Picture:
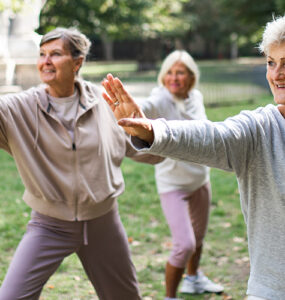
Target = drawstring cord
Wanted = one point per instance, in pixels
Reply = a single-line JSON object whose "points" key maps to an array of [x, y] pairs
{"points": [[37, 125], [85, 233]]}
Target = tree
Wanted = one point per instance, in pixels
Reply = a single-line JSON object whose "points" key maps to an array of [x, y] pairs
{"points": [[114, 19], [221, 23]]}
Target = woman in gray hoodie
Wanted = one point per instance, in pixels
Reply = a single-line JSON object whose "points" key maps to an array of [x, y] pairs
{"points": [[251, 144], [68, 150]]}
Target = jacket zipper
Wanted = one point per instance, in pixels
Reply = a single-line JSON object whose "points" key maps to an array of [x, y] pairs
{"points": [[75, 183]]}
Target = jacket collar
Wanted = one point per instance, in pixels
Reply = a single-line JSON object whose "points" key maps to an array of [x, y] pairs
{"points": [[89, 95]]}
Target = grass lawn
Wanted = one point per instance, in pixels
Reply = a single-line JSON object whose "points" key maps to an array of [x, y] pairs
{"points": [[225, 256]]}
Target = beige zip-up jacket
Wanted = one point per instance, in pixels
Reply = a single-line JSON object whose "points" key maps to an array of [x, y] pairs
{"points": [[63, 179]]}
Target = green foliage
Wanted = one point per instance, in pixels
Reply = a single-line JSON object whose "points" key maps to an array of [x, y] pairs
{"points": [[13, 5], [213, 22], [113, 18]]}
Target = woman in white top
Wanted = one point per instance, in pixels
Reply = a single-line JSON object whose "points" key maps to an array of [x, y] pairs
{"points": [[183, 187]]}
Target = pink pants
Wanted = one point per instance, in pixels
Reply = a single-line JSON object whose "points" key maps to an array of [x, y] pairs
{"points": [[187, 215], [101, 245]]}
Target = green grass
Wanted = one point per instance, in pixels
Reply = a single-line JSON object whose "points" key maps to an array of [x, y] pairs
{"points": [[225, 256], [221, 82]]}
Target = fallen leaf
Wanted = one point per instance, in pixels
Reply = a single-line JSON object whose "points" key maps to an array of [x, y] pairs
{"points": [[238, 239], [227, 297], [50, 286]]}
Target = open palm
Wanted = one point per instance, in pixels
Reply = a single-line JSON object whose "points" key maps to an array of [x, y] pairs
{"points": [[125, 109]]}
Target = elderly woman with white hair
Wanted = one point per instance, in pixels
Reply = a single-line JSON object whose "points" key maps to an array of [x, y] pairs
{"points": [[251, 144], [184, 188]]}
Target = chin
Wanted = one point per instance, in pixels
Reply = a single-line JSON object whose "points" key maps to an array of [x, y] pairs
{"points": [[279, 99]]}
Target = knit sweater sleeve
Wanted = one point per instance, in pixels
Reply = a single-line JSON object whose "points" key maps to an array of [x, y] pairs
{"points": [[227, 145]]}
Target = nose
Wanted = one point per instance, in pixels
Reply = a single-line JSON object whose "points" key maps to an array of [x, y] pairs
{"points": [[45, 59], [174, 76], [279, 72]]}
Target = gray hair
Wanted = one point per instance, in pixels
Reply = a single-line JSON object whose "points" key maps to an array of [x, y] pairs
{"points": [[274, 33], [75, 41], [179, 56]]}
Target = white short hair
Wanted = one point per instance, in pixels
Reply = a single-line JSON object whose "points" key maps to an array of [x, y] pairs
{"points": [[274, 33], [179, 56]]}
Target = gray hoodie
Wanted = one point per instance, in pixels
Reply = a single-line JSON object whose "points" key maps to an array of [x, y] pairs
{"points": [[251, 144], [66, 179]]}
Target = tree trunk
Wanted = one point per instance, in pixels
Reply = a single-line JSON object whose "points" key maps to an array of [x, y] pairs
{"points": [[108, 47]]}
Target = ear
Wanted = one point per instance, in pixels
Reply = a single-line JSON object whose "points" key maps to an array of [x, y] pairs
{"points": [[77, 64]]}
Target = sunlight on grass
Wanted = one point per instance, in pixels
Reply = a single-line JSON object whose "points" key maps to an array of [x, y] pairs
{"points": [[104, 68]]}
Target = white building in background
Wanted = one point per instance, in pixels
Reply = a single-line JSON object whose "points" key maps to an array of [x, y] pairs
{"points": [[19, 42]]}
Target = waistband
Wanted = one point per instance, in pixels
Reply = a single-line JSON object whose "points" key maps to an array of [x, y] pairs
{"points": [[73, 227]]}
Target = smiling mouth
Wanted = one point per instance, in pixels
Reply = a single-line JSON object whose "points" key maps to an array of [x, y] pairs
{"points": [[280, 85], [48, 71]]}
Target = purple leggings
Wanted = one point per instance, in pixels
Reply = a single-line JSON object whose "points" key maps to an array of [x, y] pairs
{"points": [[187, 215], [101, 245]]}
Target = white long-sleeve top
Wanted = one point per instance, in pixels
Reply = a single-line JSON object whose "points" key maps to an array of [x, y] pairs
{"points": [[173, 174]]}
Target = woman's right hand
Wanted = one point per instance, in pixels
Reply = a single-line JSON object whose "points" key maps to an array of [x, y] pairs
{"points": [[127, 112]]}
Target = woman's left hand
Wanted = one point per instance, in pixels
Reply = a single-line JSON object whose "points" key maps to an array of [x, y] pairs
{"points": [[121, 103], [127, 112]]}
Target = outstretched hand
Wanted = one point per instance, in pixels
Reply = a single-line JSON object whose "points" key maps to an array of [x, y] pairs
{"points": [[126, 111]]}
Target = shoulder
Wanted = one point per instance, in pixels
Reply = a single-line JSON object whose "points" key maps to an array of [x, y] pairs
{"points": [[259, 119], [159, 96], [267, 112], [23, 97], [196, 94], [160, 92], [90, 93], [88, 87]]}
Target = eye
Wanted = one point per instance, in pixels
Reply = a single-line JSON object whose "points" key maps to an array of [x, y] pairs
{"points": [[56, 54], [270, 63]]}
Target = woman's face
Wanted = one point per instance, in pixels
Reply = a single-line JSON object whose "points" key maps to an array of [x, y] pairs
{"points": [[276, 72], [178, 80], [57, 68]]}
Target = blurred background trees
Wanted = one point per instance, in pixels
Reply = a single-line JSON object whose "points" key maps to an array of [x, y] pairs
{"points": [[146, 30]]}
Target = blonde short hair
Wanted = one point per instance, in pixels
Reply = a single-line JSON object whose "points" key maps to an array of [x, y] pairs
{"points": [[274, 33], [179, 56]]}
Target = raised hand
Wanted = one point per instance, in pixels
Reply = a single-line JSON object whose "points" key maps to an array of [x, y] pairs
{"points": [[125, 109], [119, 99]]}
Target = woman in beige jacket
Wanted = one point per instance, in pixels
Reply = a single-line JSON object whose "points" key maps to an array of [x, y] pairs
{"points": [[68, 150]]}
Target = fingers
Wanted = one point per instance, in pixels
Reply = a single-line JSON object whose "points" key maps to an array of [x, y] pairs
{"points": [[117, 89], [135, 123], [108, 100], [141, 128], [109, 90]]}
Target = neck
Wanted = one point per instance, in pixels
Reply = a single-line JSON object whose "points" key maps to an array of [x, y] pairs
{"points": [[282, 110], [61, 92]]}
